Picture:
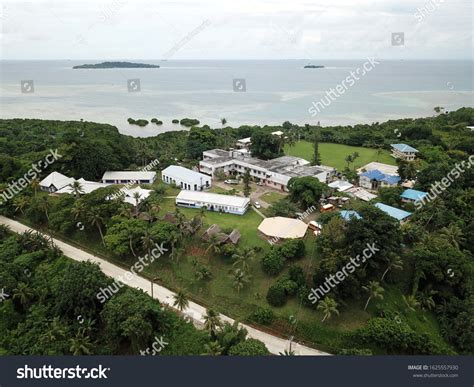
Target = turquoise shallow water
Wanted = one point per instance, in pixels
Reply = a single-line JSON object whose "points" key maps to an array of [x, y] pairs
{"points": [[276, 91]]}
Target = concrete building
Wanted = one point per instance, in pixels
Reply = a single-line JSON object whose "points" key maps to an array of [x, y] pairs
{"points": [[128, 177], [404, 152], [273, 173], [340, 185], [384, 168], [360, 193], [185, 178], [375, 179], [244, 143], [213, 202]]}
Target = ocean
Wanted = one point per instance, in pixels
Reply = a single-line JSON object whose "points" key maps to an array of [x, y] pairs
{"points": [[244, 92]]}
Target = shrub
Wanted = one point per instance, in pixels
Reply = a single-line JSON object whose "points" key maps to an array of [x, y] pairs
{"points": [[264, 316], [175, 121], [273, 262], [296, 274], [250, 347], [276, 295], [291, 287], [293, 249]]}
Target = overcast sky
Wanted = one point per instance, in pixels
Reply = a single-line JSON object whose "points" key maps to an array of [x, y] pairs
{"points": [[235, 29]]}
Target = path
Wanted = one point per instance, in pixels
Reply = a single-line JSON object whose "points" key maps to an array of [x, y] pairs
{"points": [[194, 311]]}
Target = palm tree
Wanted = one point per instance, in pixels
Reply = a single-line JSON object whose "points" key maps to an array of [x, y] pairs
{"points": [[453, 235], [20, 203], [125, 211], [212, 321], [329, 307], [375, 291], [212, 349], [76, 188], [81, 344], [95, 219], [137, 198], [393, 262], [214, 244], [426, 300], [35, 184], [181, 301], [44, 205], [147, 242], [23, 293], [243, 258], [287, 352], [240, 279], [131, 236], [79, 210], [411, 302]]}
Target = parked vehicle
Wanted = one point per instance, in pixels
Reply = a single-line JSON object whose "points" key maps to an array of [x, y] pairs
{"points": [[257, 205], [260, 183], [231, 181]]}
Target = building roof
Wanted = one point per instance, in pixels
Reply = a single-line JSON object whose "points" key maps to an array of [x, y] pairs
{"points": [[348, 214], [384, 168], [341, 185], [361, 193], [404, 148], [245, 140], [234, 236], [277, 133], [129, 175], [380, 176], [213, 198], [283, 228], [129, 194], [178, 172], [393, 211], [413, 194], [56, 179], [86, 186]]}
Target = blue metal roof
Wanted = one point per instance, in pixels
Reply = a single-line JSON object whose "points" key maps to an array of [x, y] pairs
{"points": [[393, 211], [404, 148], [374, 174], [413, 194], [347, 215]]}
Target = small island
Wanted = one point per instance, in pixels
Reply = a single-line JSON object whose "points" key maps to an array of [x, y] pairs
{"points": [[314, 67], [117, 65]]}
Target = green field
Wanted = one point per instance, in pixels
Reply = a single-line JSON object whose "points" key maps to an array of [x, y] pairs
{"points": [[333, 154], [271, 197]]}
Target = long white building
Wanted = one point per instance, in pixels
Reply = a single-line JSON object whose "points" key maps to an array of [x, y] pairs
{"points": [[213, 202], [185, 178], [274, 173], [129, 177]]}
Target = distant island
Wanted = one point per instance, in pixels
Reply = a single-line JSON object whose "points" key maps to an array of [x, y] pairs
{"points": [[313, 67], [117, 65]]}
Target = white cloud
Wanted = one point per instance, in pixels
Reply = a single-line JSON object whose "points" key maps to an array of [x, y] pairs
{"points": [[246, 29]]}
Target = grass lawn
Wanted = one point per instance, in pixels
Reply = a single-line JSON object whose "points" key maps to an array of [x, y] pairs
{"points": [[271, 197], [333, 154]]}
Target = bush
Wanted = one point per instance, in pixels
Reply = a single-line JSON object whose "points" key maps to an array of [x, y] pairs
{"points": [[273, 262], [264, 316], [276, 295], [293, 249], [296, 274], [175, 121], [291, 287], [250, 347]]}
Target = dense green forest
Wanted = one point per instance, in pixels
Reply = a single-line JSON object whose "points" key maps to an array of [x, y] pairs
{"points": [[414, 296]]}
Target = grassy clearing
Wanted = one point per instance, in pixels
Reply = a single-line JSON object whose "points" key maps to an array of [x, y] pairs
{"points": [[333, 154], [271, 197]]}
